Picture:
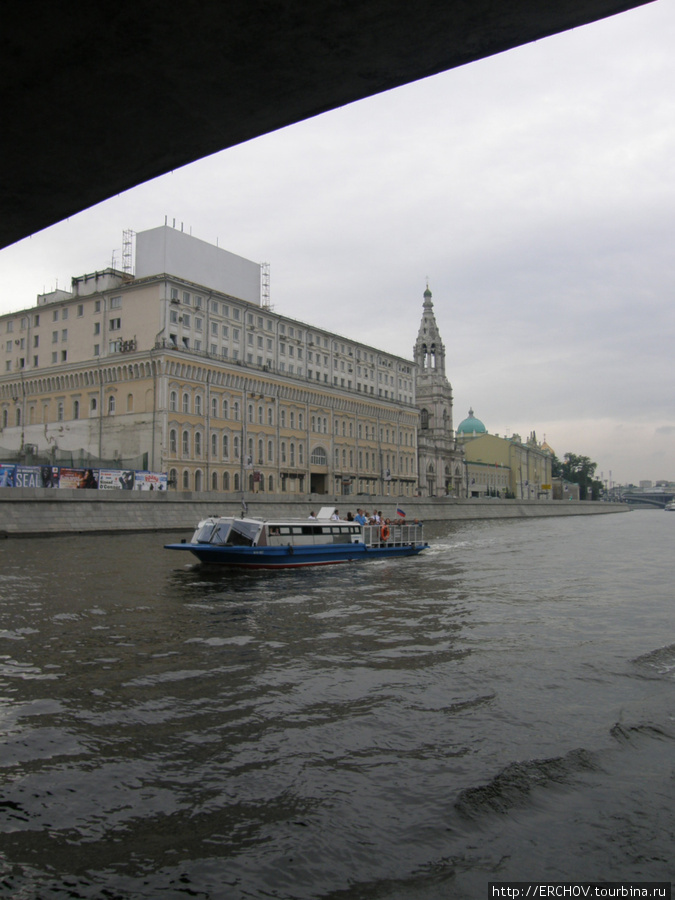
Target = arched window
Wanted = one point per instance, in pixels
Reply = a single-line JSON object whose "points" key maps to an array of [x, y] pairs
{"points": [[424, 419], [173, 478], [261, 444], [226, 481], [172, 441], [235, 444], [270, 451], [214, 407], [214, 481], [198, 480], [186, 480], [214, 445], [198, 443], [226, 446], [235, 410], [292, 451], [186, 443], [250, 412], [76, 409], [111, 406], [301, 454], [5, 418], [198, 405], [270, 415], [261, 416], [236, 481], [173, 401], [319, 457], [283, 451], [130, 402], [270, 484], [226, 409], [18, 415], [186, 403]]}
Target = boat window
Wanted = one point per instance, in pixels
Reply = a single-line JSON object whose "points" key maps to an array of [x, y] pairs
{"points": [[203, 536], [296, 529], [220, 533], [308, 529]]}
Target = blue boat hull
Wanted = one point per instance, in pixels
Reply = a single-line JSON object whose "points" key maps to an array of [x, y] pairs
{"points": [[294, 557]]}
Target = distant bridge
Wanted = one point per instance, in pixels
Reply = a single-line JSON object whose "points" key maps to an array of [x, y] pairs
{"points": [[656, 499]]}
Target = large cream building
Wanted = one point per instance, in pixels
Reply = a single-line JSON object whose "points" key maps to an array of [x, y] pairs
{"points": [[183, 367]]}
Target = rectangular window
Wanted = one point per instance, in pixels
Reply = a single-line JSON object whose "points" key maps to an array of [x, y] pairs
{"points": [[80, 310], [64, 334], [115, 324], [115, 303]]}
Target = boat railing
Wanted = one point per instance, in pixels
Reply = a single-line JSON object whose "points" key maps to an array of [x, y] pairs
{"points": [[393, 535]]}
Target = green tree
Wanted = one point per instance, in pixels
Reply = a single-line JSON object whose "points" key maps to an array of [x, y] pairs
{"points": [[580, 470]]}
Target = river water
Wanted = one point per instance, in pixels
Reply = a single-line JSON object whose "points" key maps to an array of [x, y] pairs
{"points": [[499, 708]]}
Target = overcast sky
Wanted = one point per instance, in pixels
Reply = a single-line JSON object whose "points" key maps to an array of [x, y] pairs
{"points": [[536, 192]]}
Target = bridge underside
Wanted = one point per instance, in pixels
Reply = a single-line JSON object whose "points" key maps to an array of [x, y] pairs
{"points": [[100, 97]]}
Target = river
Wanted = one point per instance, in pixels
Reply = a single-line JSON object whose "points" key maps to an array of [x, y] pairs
{"points": [[499, 708]]}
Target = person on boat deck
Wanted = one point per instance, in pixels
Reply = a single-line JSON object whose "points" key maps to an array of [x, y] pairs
{"points": [[350, 517], [359, 517], [336, 516], [311, 515]]}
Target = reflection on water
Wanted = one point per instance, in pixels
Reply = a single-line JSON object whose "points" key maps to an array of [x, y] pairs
{"points": [[498, 708]]}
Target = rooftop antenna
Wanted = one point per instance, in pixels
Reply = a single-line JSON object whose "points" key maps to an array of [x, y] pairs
{"points": [[127, 251], [265, 285]]}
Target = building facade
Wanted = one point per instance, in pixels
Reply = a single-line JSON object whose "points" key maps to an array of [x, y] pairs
{"points": [[504, 467], [207, 383]]}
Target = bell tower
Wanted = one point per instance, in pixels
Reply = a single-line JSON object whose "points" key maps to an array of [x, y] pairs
{"points": [[440, 460]]}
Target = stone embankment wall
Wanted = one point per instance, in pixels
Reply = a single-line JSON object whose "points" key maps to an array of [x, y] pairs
{"points": [[40, 512]]}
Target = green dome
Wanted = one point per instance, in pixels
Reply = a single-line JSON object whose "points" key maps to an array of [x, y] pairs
{"points": [[471, 425]]}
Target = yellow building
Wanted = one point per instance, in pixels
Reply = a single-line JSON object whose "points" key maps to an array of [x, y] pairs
{"points": [[501, 466]]}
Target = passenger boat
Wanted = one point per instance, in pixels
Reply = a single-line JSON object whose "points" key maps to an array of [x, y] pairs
{"points": [[252, 543]]}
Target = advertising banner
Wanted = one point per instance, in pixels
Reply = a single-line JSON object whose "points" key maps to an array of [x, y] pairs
{"points": [[116, 480], [150, 481], [78, 478], [7, 475], [28, 476]]}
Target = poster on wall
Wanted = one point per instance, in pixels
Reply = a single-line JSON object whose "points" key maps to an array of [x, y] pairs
{"points": [[7, 475], [116, 480], [77, 479], [29, 476], [150, 481]]}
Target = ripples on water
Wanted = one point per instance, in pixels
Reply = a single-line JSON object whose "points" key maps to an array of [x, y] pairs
{"points": [[500, 708]]}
